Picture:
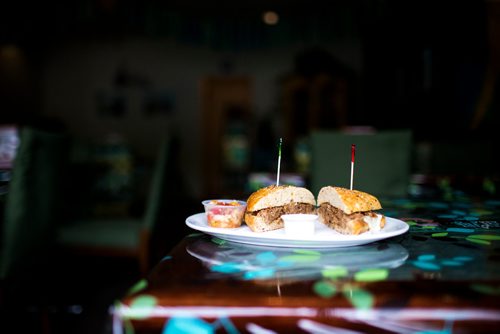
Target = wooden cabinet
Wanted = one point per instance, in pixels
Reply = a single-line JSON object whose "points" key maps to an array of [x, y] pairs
{"points": [[312, 103], [226, 104]]}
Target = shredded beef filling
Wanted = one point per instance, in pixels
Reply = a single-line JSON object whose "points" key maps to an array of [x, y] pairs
{"points": [[337, 218], [271, 214]]}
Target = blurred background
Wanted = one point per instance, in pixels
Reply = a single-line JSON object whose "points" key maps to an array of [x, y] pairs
{"points": [[224, 80], [110, 70]]}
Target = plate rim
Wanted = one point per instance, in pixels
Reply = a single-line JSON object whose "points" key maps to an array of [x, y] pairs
{"points": [[340, 240]]}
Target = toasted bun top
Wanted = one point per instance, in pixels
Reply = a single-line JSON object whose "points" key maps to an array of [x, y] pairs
{"points": [[273, 196], [347, 200]]}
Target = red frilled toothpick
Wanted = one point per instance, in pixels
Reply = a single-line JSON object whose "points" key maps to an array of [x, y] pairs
{"points": [[353, 153]]}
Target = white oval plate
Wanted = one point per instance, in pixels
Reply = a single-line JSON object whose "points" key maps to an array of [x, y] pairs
{"points": [[323, 237]]}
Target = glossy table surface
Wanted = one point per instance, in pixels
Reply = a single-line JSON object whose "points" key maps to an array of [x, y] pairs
{"points": [[442, 276]]}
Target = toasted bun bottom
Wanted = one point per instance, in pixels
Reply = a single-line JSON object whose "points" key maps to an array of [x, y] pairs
{"points": [[352, 224], [352, 227], [259, 224], [382, 222]]}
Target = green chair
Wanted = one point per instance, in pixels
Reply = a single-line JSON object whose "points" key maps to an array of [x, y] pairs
{"points": [[382, 162], [33, 201], [123, 237]]}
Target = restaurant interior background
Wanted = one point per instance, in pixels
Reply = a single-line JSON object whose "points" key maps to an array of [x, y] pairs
{"points": [[227, 79]]}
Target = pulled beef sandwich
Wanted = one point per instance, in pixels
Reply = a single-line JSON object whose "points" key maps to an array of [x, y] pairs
{"points": [[349, 211], [266, 205]]}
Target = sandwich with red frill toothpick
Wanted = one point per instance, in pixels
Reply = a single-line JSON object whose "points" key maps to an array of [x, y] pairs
{"points": [[349, 211]]}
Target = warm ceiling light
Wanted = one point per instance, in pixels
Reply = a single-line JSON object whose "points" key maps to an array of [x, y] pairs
{"points": [[270, 17]]}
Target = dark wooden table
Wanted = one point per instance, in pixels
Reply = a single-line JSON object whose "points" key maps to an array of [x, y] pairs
{"points": [[442, 276]]}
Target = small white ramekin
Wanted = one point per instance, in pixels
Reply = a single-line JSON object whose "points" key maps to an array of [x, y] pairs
{"points": [[299, 224]]}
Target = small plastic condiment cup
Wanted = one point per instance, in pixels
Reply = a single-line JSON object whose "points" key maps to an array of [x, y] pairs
{"points": [[225, 213], [299, 224]]}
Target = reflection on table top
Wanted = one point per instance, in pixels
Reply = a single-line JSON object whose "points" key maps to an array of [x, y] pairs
{"points": [[443, 275]]}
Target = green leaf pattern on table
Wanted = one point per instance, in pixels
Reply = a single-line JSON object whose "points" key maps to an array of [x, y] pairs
{"points": [[439, 234], [361, 299], [301, 258], [487, 289], [334, 272], [325, 289], [483, 239], [371, 275], [142, 306], [142, 284], [332, 283]]}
